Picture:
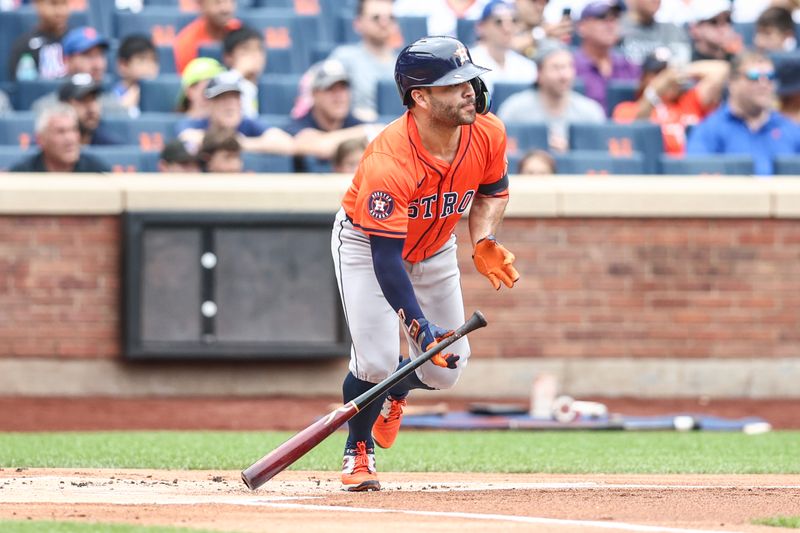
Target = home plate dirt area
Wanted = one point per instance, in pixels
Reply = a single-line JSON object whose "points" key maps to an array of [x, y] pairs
{"points": [[313, 501]]}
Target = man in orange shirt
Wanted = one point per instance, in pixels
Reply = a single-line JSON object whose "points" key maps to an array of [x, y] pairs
{"points": [[216, 19], [674, 97], [393, 240]]}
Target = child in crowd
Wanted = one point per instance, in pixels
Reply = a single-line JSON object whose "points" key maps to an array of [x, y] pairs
{"points": [[537, 163], [348, 155], [243, 51], [37, 54], [220, 152], [136, 60]]}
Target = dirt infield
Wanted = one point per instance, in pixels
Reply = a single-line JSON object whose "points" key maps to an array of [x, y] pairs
{"points": [[313, 501]]}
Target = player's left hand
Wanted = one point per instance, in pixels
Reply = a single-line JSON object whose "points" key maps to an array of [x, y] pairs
{"points": [[425, 334], [494, 261]]}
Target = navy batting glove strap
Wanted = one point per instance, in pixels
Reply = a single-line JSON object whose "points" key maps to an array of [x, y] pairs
{"points": [[426, 333]]}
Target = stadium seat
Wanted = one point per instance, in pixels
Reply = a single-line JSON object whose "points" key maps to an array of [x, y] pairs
{"points": [[523, 137], [787, 165], [161, 23], [621, 140], [267, 162], [697, 165], [11, 155], [620, 91], [149, 131], [465, 31], [161, 94], [284, 29], [388, 99], [17, 129], [166, 60], [503, 89], [213, 51], [277, 93], [598, 162], [15, 23], [27, 92], [121, 158], [747, 30]]}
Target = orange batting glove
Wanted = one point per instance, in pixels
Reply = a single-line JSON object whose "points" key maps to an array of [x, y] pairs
{"points": [[494, 261]]}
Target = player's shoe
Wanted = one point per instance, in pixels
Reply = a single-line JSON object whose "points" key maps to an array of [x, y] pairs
{"points": [[387, 426], [358, 469]]}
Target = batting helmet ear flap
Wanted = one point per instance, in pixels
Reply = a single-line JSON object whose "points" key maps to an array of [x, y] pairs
{"points": [[483, 100]]}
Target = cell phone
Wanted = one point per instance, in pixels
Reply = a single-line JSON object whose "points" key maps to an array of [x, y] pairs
{"points": [[566, 12]]}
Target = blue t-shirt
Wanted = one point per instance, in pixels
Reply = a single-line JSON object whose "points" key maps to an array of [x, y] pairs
{"points": [[247, 127], [307, 121], [722, 132]]}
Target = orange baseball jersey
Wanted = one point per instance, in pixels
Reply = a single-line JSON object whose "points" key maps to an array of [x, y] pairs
{"points": [[401, 191]]}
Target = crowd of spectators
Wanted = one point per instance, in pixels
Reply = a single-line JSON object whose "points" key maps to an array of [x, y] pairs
{"points": [[715, 77]]}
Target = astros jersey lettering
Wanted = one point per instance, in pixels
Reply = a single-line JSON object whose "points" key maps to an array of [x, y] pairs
{"points": [[400, 190]]}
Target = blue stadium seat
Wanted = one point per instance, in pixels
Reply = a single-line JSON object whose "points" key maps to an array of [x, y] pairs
{"points": [[161, 94], [621, 140], [465, 31], [388, 99], [240, 4], [275, 3], [747, 30], [213, 51], [598, 162], [15, 23], [121, 158], [277, 93], [787, 165], [523, 137], [149, 131], [11, 155], [267, 162], [27, 92], [503, 89], [17, 129], [620, 91], [722, 164], [284, 29], [161, 23], [321, 50], [279, 60], [166, 60]]}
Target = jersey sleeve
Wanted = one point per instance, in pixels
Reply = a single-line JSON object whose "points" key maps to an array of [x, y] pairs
{"points": [[495, 178], [385, 191]]}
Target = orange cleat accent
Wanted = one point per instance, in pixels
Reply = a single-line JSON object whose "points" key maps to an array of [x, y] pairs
{"points": [[387, 426], [358, 469]]}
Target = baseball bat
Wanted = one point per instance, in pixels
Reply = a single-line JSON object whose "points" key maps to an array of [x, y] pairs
{"points": [[297, 446]]}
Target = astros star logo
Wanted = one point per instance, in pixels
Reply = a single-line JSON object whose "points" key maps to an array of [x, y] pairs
{"points": [[461, 54]]}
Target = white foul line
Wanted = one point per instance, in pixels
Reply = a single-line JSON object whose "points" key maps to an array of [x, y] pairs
{"points": [[482, 516]]}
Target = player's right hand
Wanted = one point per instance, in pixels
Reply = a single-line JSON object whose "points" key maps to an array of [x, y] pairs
{"points": [[494, 261]]}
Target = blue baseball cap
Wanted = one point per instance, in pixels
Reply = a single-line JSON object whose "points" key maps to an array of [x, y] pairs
{"points": [[496, 7], [600, 8], [79, 40]]}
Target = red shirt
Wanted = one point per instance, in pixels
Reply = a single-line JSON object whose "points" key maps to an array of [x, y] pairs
{"points": [[192, 37], [401, 191]]}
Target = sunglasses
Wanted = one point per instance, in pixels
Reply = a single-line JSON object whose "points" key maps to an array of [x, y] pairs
{"points": [[719, 21], [382, 18], [756, 75], [502, 21]]}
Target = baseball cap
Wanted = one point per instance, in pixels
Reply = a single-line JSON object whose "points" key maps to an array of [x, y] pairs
{"points": [[327, 73], [79, 40], [225, 82], [78, 86], [708, 9], [600, 8], [495, 8]]}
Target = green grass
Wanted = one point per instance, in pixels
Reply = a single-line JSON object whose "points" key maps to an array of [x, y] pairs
{"points": [[36, 526], [780, 521], [476, 451]]}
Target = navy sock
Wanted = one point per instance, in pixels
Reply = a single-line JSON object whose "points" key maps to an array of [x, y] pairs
{"points": [[360, 426], [401, 390]]}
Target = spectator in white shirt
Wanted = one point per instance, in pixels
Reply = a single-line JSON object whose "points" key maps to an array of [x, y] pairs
{"points": [[496, 29]]}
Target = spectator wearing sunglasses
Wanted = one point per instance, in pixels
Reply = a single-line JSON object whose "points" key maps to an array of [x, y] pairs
{"points": [[748, 123], [372, 58], [596, 62], [711, 31], [496, 29]]}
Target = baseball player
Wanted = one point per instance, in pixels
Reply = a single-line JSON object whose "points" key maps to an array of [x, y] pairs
{"points": [[393, 244]]}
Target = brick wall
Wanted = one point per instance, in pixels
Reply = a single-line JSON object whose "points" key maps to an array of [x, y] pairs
{"points": [[645, 288], [590, 287], [59, 289]]}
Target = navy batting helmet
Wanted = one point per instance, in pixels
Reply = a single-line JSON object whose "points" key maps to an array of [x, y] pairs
{"points": [[439, 61]]}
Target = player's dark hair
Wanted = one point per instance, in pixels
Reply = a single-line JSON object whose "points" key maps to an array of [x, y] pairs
{"points": [[776, 17], [236, 38], [133, 45], [360, 5]]}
